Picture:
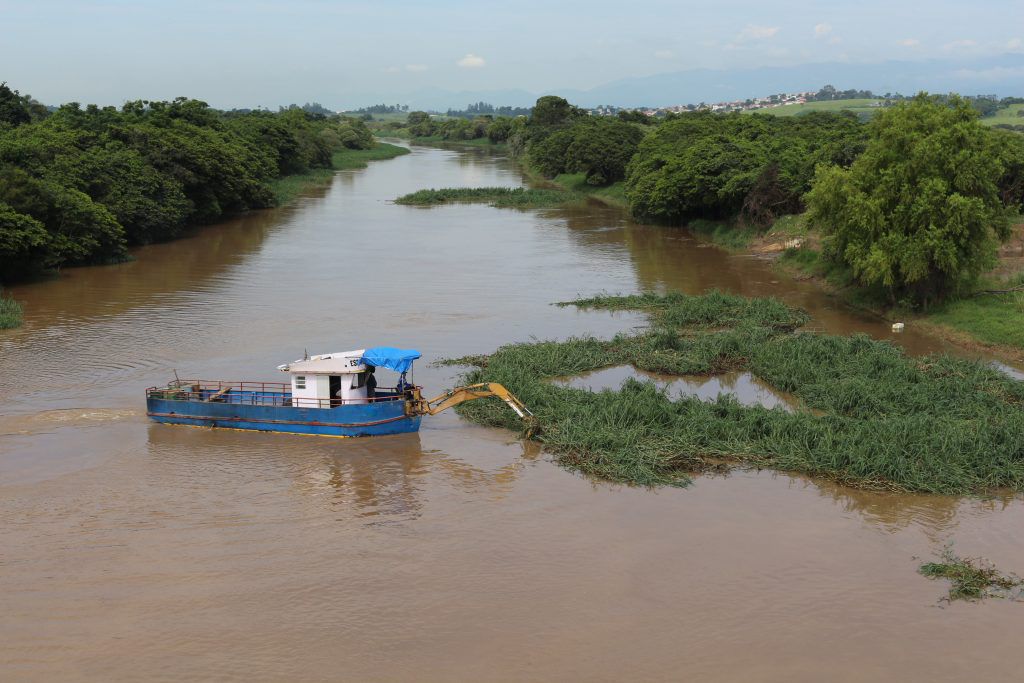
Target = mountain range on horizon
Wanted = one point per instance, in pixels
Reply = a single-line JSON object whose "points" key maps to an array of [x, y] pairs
{"points": [[1002, 75]]}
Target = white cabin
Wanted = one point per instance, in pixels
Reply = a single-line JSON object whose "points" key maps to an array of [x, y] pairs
{"points": [[320, 381]]}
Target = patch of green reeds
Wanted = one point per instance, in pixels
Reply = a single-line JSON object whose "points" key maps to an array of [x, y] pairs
{"points": [[502, 197], [10, 312], [972, 578], [730, 235], [287, 188], [872, 416], [358, 158]]}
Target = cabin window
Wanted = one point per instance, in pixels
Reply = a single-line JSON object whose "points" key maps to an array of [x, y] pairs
{"points": [[300, 382]]}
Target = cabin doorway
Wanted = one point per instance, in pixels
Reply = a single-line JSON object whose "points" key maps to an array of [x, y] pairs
{"points": [[334, 387]]}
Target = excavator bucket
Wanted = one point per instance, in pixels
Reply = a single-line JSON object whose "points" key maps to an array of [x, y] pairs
{"points": [[458, 395]]}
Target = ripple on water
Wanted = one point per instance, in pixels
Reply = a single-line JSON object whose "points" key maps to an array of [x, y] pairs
{"points": [[48, 420]]}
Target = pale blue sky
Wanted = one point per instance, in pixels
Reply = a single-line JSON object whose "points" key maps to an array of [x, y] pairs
{"points": [[262, 52]]}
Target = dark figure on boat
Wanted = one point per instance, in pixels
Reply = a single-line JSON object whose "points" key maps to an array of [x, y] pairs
{"points": [[371, 382]]}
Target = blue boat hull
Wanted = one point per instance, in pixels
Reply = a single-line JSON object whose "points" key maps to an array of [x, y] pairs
{"points": [[371, 419]]}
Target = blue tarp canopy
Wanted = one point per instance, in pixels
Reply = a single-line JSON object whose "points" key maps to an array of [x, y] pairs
{"points": [[399, 360]]}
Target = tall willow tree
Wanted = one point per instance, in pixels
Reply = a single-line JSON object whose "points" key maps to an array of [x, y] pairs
{"points": [[919, 212]]}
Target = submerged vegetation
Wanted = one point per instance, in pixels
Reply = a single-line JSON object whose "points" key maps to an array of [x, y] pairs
{"points": [[972, 578], [871, 416], [10, 312], [503, 197]]}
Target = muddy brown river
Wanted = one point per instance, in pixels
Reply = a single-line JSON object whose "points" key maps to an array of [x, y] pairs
{"points": [[132, 551]]}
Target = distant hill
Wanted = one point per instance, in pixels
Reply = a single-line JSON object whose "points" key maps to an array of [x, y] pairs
{"points": [[1002, 75]]}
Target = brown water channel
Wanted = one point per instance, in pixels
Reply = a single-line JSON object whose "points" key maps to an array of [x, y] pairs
{"points": [[137, 551]]}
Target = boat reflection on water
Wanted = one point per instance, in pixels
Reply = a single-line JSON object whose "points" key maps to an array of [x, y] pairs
{"points": [[381, 477]]}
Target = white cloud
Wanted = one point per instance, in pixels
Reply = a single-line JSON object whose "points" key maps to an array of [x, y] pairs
{"points": [[835, 40], [392, 69], [1014, 44], [820, 30], [753, 32], [959, 44], [910, 42], [415, 67], [471, 61], [664, 54]]}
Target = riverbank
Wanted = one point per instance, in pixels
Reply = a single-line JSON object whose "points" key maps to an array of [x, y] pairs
{"points": [[613, 194], [437, 140], [992, 323], [441, 141], [573, 184], [989, 319], [286, 189]]}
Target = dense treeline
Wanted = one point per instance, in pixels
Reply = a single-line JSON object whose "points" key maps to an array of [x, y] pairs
{"points": [[383, 109], [496, 129], [598, 147], [79, 185], [707, 165], [486, 109], [913, 203]]}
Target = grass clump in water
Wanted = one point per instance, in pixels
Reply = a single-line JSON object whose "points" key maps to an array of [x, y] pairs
{"points": [[873, 417], [10, 312], [501, 197], [730, 235], [972, 578]]}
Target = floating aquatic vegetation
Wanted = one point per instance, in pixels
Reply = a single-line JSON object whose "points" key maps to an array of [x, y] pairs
{"points": [[502, 197], [870, 416], [972, 578]]}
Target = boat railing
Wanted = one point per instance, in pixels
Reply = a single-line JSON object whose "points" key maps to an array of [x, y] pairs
{"points": [[257, 393]]}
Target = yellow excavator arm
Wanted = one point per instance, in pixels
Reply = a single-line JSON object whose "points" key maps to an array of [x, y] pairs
{"points": [[454, 397]]}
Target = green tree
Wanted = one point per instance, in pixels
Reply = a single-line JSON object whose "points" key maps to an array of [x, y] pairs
{"points": [[552, 110], [919, 212], [80, 183], [601, 149], [24, 244], [13, 110], [79, 230], [499, 130], [549, 154], [1009, 149], [415, 117]]}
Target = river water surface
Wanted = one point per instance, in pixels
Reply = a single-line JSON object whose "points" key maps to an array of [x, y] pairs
{"points": [[138, 551]]}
